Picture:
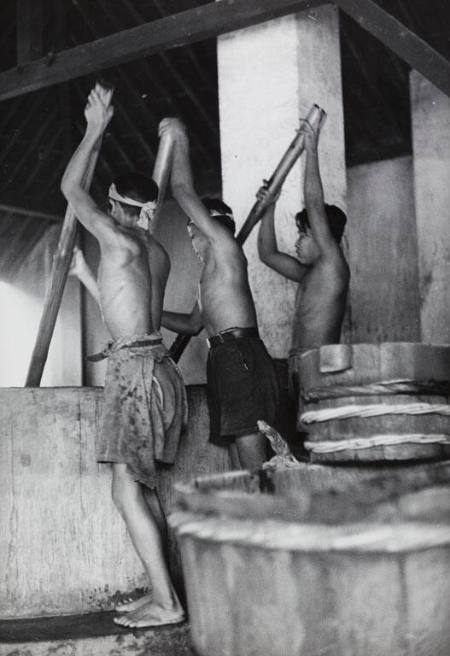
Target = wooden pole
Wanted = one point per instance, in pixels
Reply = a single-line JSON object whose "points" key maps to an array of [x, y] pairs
{"points": [[161, 169], [315, 117], [58, 277]]}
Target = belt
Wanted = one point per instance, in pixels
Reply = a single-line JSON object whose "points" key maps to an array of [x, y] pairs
{"points": [[96, 357], [231, 335]]}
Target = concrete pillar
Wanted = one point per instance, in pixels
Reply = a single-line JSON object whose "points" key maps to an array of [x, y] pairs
{"points": [[431, 147], [269, 76]]}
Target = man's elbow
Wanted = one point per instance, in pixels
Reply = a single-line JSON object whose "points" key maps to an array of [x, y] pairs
{"points": [[67, 188], [264, 255]]}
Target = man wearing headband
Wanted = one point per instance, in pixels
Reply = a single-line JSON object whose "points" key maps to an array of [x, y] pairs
{"points": [[319, 268], [145, 402], [242, 383]]}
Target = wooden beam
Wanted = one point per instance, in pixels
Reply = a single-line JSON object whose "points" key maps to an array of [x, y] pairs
{"points": [[405, 43], [30, 19], [204, 22], [32, 214]]}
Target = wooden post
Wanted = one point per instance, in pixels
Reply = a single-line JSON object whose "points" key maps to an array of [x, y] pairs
{"points": [[58, 277]]}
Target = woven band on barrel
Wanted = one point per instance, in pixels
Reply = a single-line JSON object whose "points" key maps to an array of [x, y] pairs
{"points": [[376, 410], [231, 335], [400, 386], [358, 443]]}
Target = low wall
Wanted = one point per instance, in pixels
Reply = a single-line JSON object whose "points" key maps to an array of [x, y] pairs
{"points": [[63, 546]]}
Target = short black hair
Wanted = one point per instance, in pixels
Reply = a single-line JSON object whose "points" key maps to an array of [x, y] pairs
{"points": [[336, 221], [138, 187], [224, 212]]}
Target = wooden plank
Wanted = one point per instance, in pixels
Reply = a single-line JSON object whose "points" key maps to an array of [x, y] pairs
{"points": [[29, 30], [396, 36], [190, 26]]}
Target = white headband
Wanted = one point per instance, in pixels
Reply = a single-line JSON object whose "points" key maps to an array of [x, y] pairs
{"points": [[147, 209]]}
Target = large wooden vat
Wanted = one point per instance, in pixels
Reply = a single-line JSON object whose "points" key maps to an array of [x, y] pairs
{"points": [[63, 546], [370, 402], [336, 562]]}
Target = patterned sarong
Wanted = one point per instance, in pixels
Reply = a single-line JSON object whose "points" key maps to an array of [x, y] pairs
{"points": [[145, 407]]}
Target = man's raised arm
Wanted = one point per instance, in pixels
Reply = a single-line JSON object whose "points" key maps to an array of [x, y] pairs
{"points": [[268, 251], [183, 186], [313, 191], [98, 113]]}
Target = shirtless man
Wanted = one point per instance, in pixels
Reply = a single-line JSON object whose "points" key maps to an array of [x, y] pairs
{"points": [[242, 384], [319, 268], [143, 390]]}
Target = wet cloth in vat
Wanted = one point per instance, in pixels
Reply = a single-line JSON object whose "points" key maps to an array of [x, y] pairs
{"points": [[145, 407], [242, 388]]}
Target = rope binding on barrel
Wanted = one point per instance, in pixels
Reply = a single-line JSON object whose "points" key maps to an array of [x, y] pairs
{"points": [[388, 387], [376, 410], [358, 443]]}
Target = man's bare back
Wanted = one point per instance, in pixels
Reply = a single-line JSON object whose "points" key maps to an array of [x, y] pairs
{"points": [[225, 298], [132, 278]]}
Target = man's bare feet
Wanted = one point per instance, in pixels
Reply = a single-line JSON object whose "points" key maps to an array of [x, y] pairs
{"points": [[151, 614], [129, 604]]}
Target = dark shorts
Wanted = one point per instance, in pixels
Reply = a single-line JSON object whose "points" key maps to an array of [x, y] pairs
{"points": [[242, 388]]}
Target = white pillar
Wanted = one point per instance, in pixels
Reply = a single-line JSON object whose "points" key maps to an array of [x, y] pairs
{"points": [[431, 147], [269, 76]]}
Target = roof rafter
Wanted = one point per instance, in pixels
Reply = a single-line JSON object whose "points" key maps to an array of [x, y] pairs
{"points": [[179, 29], [396, 36]]}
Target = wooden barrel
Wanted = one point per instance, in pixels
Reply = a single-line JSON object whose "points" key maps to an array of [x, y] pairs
{"points": [[313, 561], [375, 402], [64, 548]]}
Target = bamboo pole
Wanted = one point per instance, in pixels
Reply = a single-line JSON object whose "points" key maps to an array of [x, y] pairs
{"points": [[58, 277], [161, 169], [315, 117]]}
